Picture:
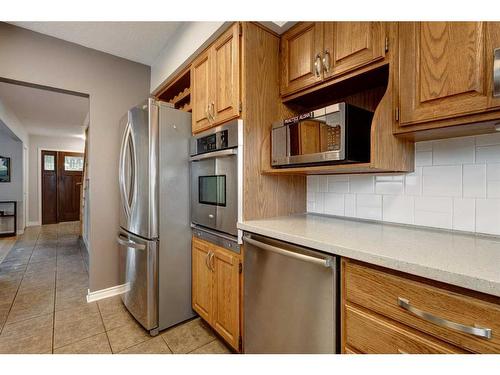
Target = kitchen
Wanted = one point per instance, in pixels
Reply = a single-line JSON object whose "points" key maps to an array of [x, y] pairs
{"points": [[345, 168]]}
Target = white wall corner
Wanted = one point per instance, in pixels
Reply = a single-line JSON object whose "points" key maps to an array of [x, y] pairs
{"points": [[33, 224]]}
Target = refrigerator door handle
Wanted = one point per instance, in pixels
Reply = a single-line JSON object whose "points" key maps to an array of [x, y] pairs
{"points": [[122, 240]]}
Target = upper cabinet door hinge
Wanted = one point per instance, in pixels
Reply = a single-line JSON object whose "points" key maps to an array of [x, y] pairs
{"points": [[240, 28], [386, 45], [396, 113], [240, 106], [240, 268]]}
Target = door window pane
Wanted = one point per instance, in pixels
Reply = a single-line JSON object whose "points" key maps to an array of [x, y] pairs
{"points": [[73, 163], [212, 190], [49, 162]]}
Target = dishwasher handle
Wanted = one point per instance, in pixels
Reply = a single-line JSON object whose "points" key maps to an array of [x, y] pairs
{"points": [[328, 262]]}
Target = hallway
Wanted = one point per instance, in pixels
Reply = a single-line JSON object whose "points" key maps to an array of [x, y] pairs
{"points": [[43, 307]]}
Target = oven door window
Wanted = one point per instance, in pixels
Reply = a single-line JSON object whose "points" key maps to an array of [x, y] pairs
{"points": [[212, 190]]}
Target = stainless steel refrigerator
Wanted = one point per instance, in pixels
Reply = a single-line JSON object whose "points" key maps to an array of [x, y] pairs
{"points": [[155, 235]]}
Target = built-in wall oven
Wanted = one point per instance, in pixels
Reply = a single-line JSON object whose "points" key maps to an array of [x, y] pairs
{"points": [[215, 159]]}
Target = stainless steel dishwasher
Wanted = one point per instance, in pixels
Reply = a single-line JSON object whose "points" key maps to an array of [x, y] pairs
{"points": [[290, 298]]}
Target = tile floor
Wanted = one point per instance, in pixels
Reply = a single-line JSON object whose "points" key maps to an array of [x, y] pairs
{"points": [[43, 307]]}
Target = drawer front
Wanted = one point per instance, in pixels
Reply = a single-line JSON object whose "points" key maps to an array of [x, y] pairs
{"points": [[383, 293], [372, 334]]}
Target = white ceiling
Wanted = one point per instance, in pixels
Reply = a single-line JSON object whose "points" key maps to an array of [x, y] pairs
{"points": [[44, 112], [137, 41]]}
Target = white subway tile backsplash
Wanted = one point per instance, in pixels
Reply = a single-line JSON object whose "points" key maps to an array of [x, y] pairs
{"points": [[334, 204], [369, 206], [488, 154], [389, 187], [453, 151], [434, 212], [464, 217], [493, 172], [488, 139], [442, 181], [423, 146], [313, 184], [398, 209], [488, 216], [423, 158], [350, 205], [455, 185], [493, 189], [362, 184], [474, 183], [413, 182], [338, 184], [323, 184]]}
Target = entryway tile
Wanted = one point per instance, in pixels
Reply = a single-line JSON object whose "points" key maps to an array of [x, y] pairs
{"points": [[154, 346], [215, 347], [27, 337], [126, 336]]}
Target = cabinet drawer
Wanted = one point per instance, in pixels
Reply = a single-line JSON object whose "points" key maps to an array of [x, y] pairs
{"points": [[371, 334], [431, 307]]}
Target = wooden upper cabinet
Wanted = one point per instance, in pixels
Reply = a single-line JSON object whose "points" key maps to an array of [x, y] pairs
{"points": [[312, 52], [201, 91], [350, 45], [444, 70], [202, 295], [226, 76], [226, 317], [215, 82], [301, 49]]}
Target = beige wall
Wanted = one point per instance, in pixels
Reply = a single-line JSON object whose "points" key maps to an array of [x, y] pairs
{"points": [[38, 143], [114, 85]]}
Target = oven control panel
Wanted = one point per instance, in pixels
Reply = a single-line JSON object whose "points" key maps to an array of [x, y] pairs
{"points": [[212, 142]]}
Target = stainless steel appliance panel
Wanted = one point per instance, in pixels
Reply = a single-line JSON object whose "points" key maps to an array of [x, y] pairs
{"points": [[175, 232], [140, 276], [138, 167], [290, 296]]}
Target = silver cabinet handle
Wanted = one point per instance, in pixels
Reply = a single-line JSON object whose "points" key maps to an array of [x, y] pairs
{"points": [[211, 261], [317, 65], [306, 258], [128, 243], [326, 61], [206, 259], [476, 331], [496, 73], [213, 111]]}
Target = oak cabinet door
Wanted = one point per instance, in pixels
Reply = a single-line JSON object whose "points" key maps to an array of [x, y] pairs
{"points": [[226, 76], [227, 296], [201, 91], [443, 70], [202, 279], [301, 49], [351, 45]]}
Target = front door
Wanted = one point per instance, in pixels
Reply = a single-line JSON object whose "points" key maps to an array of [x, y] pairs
{"points": [[62, 174], [69, 184]]}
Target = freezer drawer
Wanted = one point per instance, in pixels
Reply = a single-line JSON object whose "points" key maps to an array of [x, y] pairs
{"points": [[140, 276], [290, 296]]}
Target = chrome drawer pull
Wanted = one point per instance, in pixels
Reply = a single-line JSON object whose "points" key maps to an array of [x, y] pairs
{"points": [[476, 331], [496, 73]]}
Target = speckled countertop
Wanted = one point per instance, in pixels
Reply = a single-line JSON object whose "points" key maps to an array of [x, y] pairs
{"points": [[466, 260]]}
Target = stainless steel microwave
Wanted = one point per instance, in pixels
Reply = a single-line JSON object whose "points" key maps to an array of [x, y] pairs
{"points": [[339, 133]]}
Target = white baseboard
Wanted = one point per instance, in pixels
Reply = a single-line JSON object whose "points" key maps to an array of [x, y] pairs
{"points": [[20, 231], [106, 293], [32, 223]]}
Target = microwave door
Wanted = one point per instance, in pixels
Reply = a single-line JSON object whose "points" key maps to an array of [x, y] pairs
{"points": [[203, 192]]}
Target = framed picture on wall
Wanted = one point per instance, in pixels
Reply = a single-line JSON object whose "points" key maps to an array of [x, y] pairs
{"points": [[4, 169]]}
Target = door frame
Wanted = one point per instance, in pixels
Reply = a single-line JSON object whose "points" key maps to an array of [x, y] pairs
{"points": [[39, 176]]}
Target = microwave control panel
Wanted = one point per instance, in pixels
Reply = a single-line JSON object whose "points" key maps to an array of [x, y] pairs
{"points": [[333, 138]]}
